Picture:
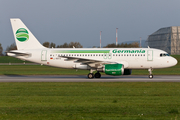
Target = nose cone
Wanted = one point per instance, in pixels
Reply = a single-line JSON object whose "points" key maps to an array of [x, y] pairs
{"points": [[173, 62]]}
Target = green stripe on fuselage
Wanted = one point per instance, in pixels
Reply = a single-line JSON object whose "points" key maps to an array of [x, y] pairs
{"points": [[80, 51]]}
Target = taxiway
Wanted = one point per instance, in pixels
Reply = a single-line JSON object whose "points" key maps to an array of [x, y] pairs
{"points": [[83, 78]]}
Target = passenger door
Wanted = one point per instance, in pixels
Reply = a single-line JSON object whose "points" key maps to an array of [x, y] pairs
{"points": [[150, 55], [44, 55]]}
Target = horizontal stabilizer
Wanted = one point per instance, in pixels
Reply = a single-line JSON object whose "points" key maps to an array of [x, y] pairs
{"points": [[16, 54]]}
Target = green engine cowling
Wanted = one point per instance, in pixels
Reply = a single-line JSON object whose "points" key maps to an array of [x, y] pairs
{"points": [[114, 69]]}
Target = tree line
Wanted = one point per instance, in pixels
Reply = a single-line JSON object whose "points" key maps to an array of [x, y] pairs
{"points": [[72, 45], [65, 45], [123, 45]]}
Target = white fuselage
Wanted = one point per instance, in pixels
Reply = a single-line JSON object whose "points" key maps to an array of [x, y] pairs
{"points": [[131, 58]]}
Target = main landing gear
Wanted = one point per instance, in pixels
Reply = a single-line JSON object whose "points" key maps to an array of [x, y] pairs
{"points": [[91, 75], [97, 75], [150, 73]]}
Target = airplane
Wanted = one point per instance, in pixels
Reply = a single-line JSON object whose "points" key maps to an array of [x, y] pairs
{"points": [[111, 61]]}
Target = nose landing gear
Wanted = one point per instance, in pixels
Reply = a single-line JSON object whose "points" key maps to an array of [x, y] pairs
{"points": [[150, 73]]}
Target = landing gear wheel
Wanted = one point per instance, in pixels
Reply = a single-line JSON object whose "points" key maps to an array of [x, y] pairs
{"points": [[150, 76], [90, 75], [97, 75]]}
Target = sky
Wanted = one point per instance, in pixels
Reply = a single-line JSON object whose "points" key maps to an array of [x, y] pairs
{"points": [[61, 21]]}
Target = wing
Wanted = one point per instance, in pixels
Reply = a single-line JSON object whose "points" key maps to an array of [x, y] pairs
{"points": [[91, 62]]}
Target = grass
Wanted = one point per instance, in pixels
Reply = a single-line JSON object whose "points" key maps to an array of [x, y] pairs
{"points": [[90, 101], [8, 59], [87, 101], [38, 70]]}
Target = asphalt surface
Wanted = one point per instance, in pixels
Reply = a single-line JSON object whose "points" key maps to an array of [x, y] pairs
{"points": [[83, 78]]}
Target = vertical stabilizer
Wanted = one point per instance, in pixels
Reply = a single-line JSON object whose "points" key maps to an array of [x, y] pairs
{"points": [[23, 36]]}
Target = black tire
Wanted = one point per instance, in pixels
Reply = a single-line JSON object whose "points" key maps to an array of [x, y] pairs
{"points": [[97, 75], [150, 76], [90, 75]]}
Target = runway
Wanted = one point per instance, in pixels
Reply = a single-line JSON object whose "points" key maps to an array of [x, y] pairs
{"points": [[83, 78]]}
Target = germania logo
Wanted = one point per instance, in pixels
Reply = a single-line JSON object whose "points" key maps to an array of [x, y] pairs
{"points": [[128, 51], [22, 34]]}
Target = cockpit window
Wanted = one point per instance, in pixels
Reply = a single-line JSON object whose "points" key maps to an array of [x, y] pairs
{"points": [[164, 54]]}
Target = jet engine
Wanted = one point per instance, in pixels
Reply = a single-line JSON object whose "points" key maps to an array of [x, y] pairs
{"points": [[112, 69]]}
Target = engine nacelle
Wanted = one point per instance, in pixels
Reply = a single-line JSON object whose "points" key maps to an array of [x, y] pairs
{"points": [[114, 69]]}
